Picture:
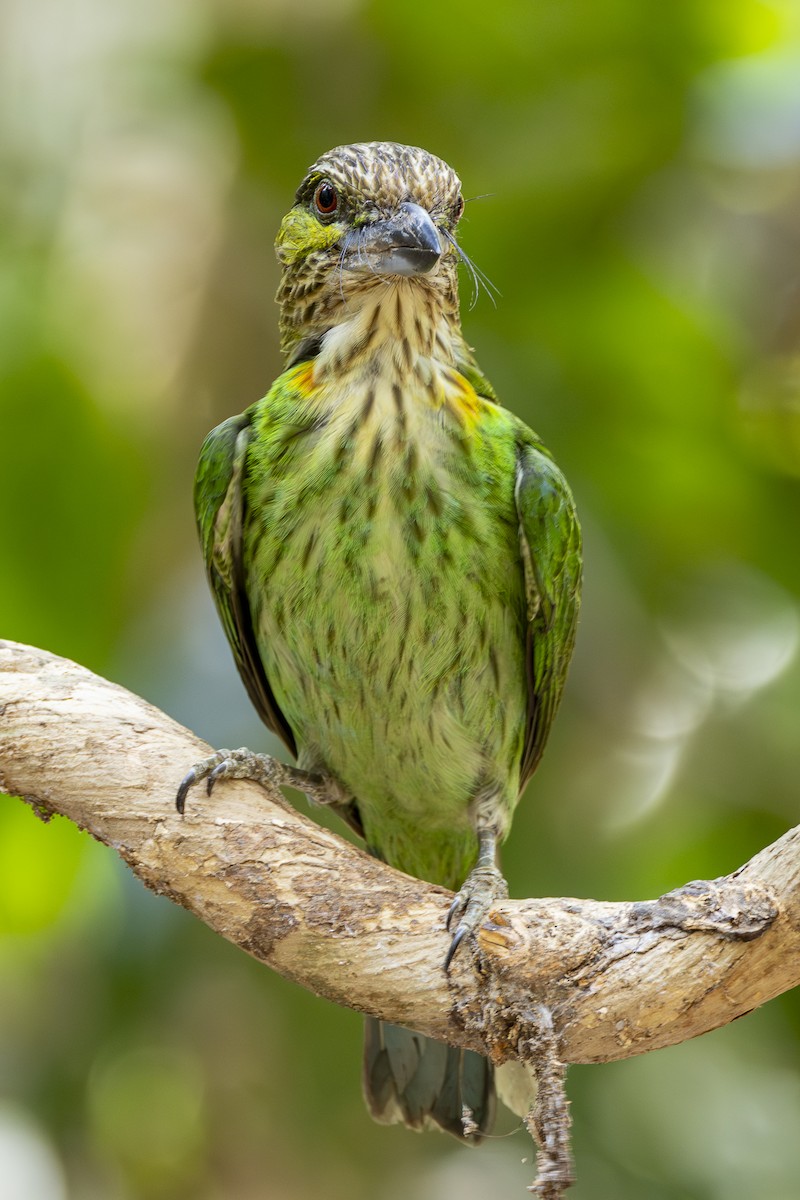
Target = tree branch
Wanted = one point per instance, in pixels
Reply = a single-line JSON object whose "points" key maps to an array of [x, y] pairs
{"points": [[617, 978]]}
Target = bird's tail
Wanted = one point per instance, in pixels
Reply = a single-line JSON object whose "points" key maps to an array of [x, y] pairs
{"points": [[424, 1083]]}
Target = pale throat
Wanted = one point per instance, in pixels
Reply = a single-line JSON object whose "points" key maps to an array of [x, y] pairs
{"points": [[396, 332]]}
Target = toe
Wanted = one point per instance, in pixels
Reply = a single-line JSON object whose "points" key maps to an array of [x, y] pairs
{"points": [[200, 770], [483, 887]]}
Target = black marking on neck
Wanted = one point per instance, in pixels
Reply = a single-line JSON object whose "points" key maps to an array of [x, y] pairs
{"points": [[368, 403], [306, 349], [399, 403], [377, 451]]}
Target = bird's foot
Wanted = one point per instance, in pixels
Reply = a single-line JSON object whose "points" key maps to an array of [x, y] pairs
{"points": [[259, 768], [482, 888]]}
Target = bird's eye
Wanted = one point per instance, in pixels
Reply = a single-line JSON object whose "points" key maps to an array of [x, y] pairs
{"points": [[326, 200], [459, 208]]}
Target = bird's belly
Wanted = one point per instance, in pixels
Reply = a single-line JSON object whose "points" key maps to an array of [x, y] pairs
{"points": [[399, 665], [387, 593]]}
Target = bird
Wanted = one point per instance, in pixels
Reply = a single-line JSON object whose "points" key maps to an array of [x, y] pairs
{"points": [[396, 561]]}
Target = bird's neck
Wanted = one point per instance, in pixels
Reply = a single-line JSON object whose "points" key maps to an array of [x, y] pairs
{"points": [[395, 332]]}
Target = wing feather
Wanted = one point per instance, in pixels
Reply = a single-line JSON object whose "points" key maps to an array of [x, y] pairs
{"points": [[550, 541], [220, 509]]}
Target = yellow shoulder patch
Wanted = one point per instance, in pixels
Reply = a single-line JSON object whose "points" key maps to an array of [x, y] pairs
{"points": [[461, 398], [301, 379]]}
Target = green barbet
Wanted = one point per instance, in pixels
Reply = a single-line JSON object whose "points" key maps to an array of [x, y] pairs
{"points": [[396, 561]]}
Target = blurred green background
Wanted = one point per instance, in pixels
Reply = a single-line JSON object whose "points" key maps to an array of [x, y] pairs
{"points": [[639, 175]]}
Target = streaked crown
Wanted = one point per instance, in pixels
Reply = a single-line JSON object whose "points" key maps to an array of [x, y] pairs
{"points": [[385, 174]]}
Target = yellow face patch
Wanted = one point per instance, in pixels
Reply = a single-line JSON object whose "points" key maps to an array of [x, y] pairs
{"points": [[301, 232]]}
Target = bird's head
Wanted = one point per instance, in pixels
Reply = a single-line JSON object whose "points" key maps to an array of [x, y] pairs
{"points": [[366, 216]]}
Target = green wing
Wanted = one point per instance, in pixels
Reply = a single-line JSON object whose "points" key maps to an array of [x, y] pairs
{"points": [[550, 539], [219, 504]]}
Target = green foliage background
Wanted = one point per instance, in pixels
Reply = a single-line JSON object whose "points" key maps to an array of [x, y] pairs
{"points": [[639, 175]]}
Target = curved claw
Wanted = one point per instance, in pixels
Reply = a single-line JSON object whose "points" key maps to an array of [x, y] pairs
{"points": [[189, 779], [458, 938], [200, 770], [451, 912]]}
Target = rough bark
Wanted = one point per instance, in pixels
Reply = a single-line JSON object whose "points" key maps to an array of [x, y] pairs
{"points": [[615, 979], [619, 978]]}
